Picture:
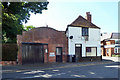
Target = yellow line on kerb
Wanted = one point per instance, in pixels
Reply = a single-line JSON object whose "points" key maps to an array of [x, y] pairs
{"points": [[75, 65]]}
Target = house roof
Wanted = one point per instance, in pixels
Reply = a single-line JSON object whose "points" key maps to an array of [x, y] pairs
{"points": [[48, 28], [108, 36], [115, 36], [105, 36], [82, 22]]}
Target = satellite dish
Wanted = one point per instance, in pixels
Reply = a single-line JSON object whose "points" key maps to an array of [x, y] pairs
{"points": [[71, 37]]}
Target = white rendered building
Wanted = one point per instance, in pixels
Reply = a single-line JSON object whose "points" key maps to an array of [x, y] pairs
{"points": [[83, 40]]}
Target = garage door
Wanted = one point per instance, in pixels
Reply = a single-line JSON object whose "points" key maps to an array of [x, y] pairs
{"points": [[32, 53]]}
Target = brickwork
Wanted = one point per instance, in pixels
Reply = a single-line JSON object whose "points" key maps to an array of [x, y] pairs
{"points": [[110, 42], [48, 35], [107, 51], [4, 63]]}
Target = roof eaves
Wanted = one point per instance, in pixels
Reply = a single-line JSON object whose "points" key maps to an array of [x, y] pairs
{"points": [[83, 26]]}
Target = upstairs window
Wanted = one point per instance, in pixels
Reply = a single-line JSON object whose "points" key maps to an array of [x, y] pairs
{"points": [[115, 50], [84, 31], [117, 42]]}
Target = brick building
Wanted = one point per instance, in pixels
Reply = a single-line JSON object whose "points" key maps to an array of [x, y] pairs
{"points": [[42, 45], [110, 44]]}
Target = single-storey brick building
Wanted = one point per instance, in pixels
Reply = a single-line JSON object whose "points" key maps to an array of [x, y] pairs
{"points": [[42, 45]]}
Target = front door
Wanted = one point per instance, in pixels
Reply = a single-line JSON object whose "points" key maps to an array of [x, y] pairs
{"points": [[58, 54], [78, 52]]}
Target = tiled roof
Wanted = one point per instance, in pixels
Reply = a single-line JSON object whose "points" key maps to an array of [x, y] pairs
{"points": [[82, 22], [115, 36], [108, 36]]}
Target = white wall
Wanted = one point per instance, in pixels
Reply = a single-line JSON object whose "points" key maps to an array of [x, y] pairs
{"points": [[93, 41]]}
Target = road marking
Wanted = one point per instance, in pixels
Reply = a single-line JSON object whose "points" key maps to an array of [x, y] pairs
{"points": [[18, 71], [33, 72], [77, 65], [78, 75]]}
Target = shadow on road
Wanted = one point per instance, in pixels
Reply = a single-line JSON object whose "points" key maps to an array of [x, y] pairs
{"points": [[97, 70]]}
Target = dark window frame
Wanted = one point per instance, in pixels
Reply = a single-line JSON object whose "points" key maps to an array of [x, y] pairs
{"points": [[85, 31], [91, 48], [88, 49], [117, 42], [116, 50]]}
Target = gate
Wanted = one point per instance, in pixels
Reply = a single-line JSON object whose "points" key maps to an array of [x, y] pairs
{"points": [[32, 53]]}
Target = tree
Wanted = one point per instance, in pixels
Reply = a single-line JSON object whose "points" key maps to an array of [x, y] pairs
{"points": [[14, 13], [27, 28]]}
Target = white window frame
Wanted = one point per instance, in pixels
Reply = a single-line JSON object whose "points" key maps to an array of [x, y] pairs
{"points": [[115, 50], [107, 51]]}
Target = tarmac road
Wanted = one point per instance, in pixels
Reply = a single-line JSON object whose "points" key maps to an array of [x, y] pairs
{"points": [[104, 69]]}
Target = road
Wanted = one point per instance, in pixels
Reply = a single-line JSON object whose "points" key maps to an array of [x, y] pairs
{"points": [[108, 69]]}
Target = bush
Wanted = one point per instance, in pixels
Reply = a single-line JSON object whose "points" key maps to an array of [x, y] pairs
{"points": [[115, 55], [9, 52]]}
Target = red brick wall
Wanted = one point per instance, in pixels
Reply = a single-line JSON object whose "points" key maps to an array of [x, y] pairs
{"points": [[102, 51], [48, 35], [4, 63], [19, 41], [110, 42], [45, 54], [111, 50]]}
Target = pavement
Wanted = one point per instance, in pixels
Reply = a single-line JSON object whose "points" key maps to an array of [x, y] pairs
{"points": [[108, 68], [115, 59]]}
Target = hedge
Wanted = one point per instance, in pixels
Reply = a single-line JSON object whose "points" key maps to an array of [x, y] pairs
{"points": [[9, 52]]}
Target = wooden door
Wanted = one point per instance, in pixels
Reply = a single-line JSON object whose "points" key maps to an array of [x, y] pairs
{"points": [[78, 52], [32, 54]]}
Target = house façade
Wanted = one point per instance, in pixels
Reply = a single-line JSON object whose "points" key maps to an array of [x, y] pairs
{"points": [[83, 40]]}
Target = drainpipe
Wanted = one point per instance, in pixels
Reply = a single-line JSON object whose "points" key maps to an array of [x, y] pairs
{"points": [[104, 48]]}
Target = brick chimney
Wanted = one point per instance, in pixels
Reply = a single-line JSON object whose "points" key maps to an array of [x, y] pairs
{"points": [[88, 16]]}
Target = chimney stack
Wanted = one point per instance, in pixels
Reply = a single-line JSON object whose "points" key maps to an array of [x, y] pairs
{"points": [[88, 16]]}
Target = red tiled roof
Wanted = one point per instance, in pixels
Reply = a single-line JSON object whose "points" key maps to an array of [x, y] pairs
{"points": [[82, 22]]}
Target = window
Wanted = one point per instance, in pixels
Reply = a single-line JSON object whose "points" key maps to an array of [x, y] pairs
{"points": [[112, 42], [118, 50], [88, 49], [58, 50], [91, 51], [115, 50], [107, 51], [117, 42], [84, 31]]}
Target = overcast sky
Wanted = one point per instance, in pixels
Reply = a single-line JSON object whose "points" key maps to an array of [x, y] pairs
{"points": [[61, 13]]}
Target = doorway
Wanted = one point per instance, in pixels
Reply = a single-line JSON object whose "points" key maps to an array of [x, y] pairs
{"points": [[78, 52], [58, 54], [33, 53]]}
